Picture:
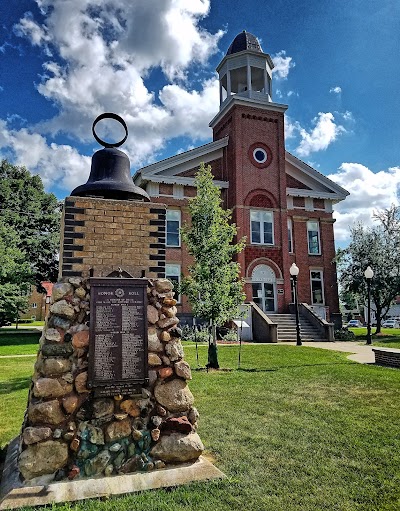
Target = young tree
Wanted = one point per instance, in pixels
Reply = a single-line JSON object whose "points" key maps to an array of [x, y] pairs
{"points": [[378, 247], [213, 286], [15, 276], [34, 216]]}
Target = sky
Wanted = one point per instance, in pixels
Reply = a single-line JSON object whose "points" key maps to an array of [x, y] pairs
{"points": [[337, 67]]}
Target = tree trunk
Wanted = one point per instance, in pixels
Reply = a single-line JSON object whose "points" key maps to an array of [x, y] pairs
{"points": [[378, 319], [212, 349]]}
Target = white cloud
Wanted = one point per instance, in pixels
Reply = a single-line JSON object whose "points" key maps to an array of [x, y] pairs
{"points": [[102, 53], [282, 64], [53, 163], [335, 90], [348, 116], [321, 136], [369, 192]]}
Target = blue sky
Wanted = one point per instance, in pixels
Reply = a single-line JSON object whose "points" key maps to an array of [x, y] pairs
{"points": [[63, 62]]}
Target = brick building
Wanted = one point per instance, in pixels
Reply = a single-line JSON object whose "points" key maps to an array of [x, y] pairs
{"points": [[282, 205], [38, 303]]}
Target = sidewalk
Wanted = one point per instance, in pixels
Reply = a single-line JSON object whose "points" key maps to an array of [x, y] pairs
{"points": [[360, 353]]}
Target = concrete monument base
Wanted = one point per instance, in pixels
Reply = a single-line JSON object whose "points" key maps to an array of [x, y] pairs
{"points": [[14, 494]]}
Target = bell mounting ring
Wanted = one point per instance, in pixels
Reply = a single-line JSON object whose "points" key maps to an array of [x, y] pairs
{"points": [[110, 115]]}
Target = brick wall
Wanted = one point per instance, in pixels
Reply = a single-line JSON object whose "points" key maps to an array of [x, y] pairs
{"points": [[105, 234]]}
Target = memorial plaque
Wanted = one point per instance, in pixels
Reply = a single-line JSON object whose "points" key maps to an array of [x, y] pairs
{"points": [[118, 336]]}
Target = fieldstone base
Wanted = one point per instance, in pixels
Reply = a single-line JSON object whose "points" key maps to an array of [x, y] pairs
{"points": [[14, 494]]}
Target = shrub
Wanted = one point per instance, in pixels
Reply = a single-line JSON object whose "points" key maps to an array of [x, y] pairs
{"points": [[344, 335], [199, 334]]}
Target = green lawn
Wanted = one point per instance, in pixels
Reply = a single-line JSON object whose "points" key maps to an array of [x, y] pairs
{"points": [[19, 343], [389, 338], [296, 429]]}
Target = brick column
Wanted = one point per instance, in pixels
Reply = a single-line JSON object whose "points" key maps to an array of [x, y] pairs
{"points": [[105, 234]]}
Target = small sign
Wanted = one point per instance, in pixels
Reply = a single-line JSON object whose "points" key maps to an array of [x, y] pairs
{"points": [[118, 336], [241, 324], [280, 291]]}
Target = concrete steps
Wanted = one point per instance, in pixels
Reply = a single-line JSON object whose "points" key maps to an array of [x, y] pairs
{"points": [[287, 328]]}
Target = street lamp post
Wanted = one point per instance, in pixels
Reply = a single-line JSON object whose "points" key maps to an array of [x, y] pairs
{"points": [[294, 271], [368, 274]]}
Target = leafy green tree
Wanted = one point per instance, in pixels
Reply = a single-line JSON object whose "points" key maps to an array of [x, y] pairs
{"points": [[34, 216], [378, 247], [213, 286], [15, 276]]}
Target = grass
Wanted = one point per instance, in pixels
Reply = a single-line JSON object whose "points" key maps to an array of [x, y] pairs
{"points": [[388, 338], [18, 343], [296, 429]]}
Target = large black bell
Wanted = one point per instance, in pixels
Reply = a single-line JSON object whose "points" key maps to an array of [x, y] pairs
{"points": [[110, 174]]}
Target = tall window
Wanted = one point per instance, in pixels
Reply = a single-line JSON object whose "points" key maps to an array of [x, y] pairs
{"points": [[314, 246], [317, 287], [262, 227], [173, 273], [290, 234], [173, 227]]}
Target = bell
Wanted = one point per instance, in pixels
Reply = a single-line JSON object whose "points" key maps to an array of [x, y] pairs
{"points": [[110, 178], [110, 175]]}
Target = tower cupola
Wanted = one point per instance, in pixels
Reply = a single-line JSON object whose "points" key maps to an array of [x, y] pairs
{"points": [[245, 70]]}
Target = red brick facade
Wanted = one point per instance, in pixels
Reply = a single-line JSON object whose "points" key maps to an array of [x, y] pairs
{"points": [[265, 187]]}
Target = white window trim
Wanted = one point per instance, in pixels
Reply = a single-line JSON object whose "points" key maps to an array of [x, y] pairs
{"points": [[290, 229], [319, 238], [322, 286], [262, 230], [179, 229], [177, 297]]}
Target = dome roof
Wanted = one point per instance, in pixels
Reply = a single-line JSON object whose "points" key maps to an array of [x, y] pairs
{"points": [[244, 41]]}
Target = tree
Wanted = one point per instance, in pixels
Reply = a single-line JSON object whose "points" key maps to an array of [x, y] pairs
{"points": [[378, 247], [34, 216], [15, 276], [213, 286]]}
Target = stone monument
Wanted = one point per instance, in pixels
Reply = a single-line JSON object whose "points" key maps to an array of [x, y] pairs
{"points": [[109, 394]]}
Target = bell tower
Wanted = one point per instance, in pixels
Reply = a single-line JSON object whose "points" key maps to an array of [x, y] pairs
{"points": [[245, 70], [254, 160]]}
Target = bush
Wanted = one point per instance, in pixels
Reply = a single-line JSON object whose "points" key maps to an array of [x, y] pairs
{"points": [[344, 335], [231, 336], [199, 334]]}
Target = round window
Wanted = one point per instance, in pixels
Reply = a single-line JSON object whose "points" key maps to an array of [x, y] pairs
{"points": [[260, 155]]}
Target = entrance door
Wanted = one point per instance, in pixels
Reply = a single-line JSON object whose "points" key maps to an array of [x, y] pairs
{"points": [[264, 296], [264, 288]]}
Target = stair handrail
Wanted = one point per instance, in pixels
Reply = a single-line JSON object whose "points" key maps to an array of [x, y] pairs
{"points": [[324, 327]]}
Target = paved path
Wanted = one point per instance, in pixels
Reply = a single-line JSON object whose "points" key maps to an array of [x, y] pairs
{"points": [[360, 352]]}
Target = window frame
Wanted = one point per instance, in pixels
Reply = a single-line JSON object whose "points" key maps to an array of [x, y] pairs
{"points": [[261, 223], [290, 235], [318, 231], [178, 276], [169, 211], [321, 279]]}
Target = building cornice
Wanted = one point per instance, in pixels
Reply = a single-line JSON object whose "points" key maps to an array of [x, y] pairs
{"points": [[180, 159], [261, 102], [314, 194], [234, 56], [338, 192], [176, 180]]}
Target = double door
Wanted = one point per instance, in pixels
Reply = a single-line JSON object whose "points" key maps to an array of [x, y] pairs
{"points": [[264, 296]]}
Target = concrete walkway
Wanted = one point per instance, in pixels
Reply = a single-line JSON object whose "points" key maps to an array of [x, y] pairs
{"points": [[360, 352]]}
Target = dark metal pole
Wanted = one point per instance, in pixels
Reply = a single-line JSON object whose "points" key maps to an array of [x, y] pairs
{"points": [[240, 342], [369, 337], [296, 304]]}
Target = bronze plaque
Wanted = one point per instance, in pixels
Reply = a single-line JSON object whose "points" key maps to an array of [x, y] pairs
{"points": [[118, 336]]}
